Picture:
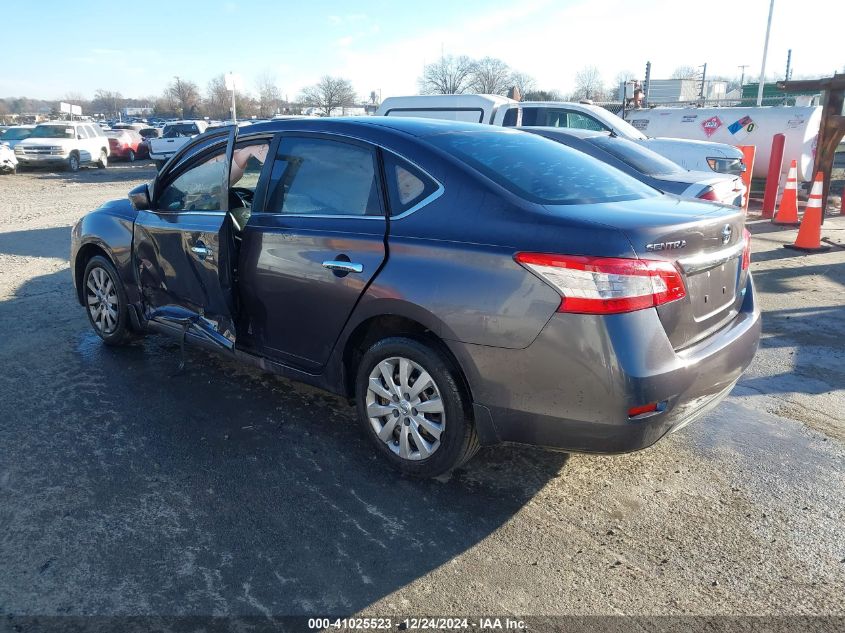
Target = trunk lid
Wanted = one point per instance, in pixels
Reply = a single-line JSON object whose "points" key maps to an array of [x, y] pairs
{"points": [[705, 241]]}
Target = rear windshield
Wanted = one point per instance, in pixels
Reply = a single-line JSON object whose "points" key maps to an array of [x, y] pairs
{"points": [[640, 158], [15, 133], [541, 170], [53, 131], [180, 129]]}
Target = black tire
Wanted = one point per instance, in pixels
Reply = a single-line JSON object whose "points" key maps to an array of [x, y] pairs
{"points": [[120, 333], [458, 441], [130, 157], [73, 162], [103, 161]]}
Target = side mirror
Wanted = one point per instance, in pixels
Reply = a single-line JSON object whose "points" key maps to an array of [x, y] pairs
{"points": [[140, 198]]}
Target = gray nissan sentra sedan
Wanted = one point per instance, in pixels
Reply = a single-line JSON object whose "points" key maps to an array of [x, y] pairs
{"points": [[466, 285]]}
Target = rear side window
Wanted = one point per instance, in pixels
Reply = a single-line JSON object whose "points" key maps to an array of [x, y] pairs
{"points": [[407, 186], [540, 170], [317, 176], [640, 158], [584, 122]]}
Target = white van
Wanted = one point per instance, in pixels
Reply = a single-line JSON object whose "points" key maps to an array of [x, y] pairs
{"points": [[498, 110]]}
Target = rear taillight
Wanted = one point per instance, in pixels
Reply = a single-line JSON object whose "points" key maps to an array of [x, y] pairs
{"points": [[746, 253], [708, 194], [606, 285]]}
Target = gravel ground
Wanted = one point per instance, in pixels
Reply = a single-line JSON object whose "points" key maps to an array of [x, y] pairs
{"points": [[225, 491]]}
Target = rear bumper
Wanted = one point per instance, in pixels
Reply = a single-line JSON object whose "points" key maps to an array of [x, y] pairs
{"points": [[571, 389]]}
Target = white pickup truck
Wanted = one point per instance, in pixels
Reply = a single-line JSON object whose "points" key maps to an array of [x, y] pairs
{"points": [[498, 110], [173, 136]]}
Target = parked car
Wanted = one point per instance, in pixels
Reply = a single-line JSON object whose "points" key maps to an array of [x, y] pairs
{"points": [[430, 270], [174, 135], [498, 110], [649, 167], [13, 135], [129, 125], [8, 162], [125, 144], [67, 144], [147, 134]]}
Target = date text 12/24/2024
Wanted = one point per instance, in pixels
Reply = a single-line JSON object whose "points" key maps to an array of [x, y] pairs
{"points": [[418, 624]]}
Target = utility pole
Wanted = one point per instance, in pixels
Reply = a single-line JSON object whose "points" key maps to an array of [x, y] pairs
{"points": [[646, 83], [788, 75], [742, 77], [703, 77], [765, 54]]}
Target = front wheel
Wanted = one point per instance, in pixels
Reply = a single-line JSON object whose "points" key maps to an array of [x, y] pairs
{"points": [[411, 403], [73, 162], [105, 301], [130, 157]]}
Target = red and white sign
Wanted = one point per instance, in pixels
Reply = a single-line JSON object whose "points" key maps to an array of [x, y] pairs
{"points": [[711, 125]]}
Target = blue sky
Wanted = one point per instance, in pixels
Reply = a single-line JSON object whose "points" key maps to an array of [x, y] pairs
{"points": [[381, 45]]}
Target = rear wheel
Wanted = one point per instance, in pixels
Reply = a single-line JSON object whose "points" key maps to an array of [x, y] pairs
{"points": [[412, 405], [130, 156], [103, 161], [105, 301]]}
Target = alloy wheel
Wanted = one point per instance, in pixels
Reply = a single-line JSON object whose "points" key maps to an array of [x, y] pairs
{"points": [[405, 409], [101, 294]]}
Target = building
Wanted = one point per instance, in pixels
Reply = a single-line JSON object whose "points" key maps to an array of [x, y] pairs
{"points": [[666, 91], [129, 112]]}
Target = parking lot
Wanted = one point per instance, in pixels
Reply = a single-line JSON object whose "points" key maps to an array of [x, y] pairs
{"points": [[126, 489]]}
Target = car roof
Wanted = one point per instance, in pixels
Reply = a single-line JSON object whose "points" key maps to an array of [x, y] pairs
{"points": [[408, 125]]}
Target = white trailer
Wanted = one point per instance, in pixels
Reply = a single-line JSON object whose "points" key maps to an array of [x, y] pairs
{"points": [[741, 126]]}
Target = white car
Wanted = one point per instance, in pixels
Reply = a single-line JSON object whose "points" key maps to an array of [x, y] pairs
{"points": [[67, 144], [498, 110], [8, 162], [174, 135]]}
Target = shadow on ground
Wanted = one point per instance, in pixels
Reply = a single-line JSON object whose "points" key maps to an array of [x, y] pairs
{"points": [[229, 490], [116, 172]]}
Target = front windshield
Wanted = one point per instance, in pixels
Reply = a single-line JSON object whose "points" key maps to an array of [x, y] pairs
{"points": [[540, 170], [640, 158], [52, 131], [15, 134]]}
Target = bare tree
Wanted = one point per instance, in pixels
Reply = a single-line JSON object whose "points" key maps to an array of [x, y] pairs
{"points": [[588, 84], [330, 93], [490, 76], [624, 76], [523, 82], [269, 95], [183, 97], [447, 76], [685, 72], [107, 102], [542, 95], [218, 100]]}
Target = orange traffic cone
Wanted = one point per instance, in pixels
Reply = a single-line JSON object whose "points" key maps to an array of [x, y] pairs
{"points": [[810, 232], [788, 210]]}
